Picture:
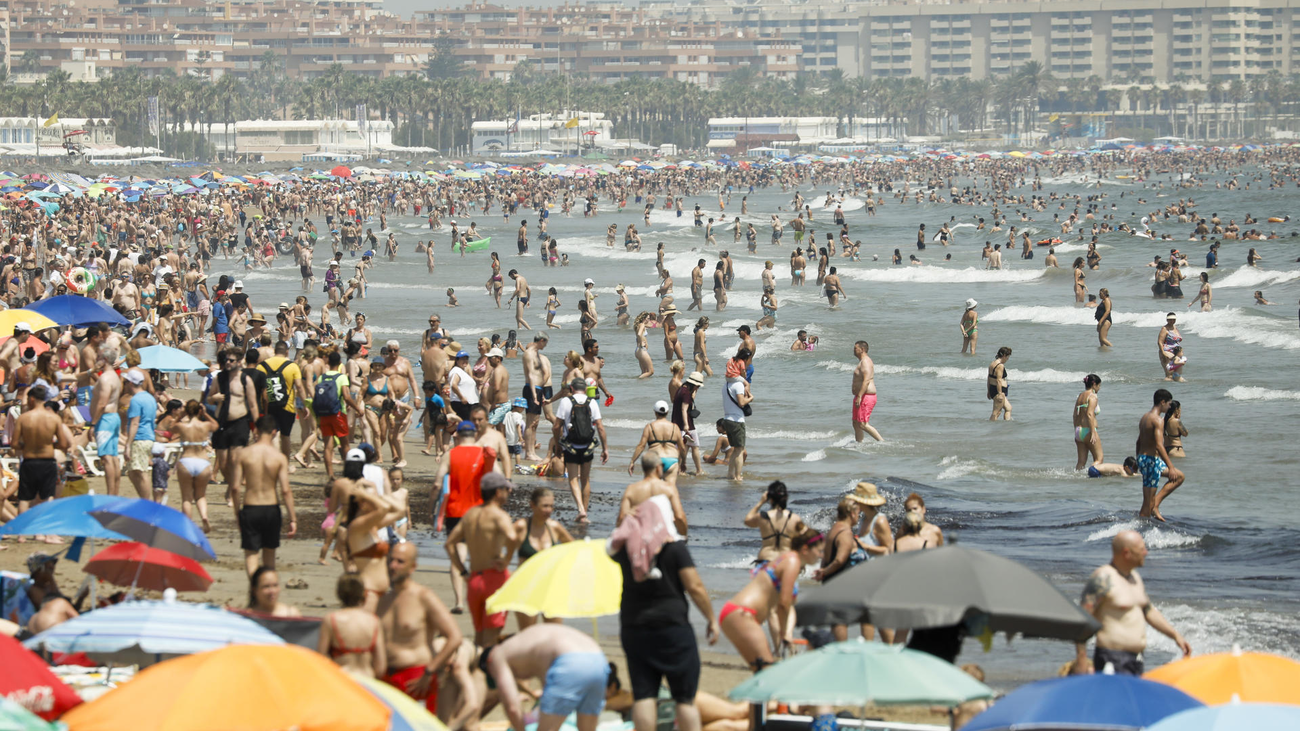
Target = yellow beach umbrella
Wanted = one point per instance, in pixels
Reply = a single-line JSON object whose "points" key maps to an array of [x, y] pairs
{"points": [[575, 579], [35, 320], [243, 687], [1250, 677], [1015, 153]]}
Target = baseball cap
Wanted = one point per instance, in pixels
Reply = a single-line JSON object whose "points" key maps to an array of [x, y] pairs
{"points": [[578, 383], [135, 377], [520, 403], [495, 481], [495, 353], [466, 426], [355, 455], [22, 327], [588, 281], [661, 407], [461, 354]]}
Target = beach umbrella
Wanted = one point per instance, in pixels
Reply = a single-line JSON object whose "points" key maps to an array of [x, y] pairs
{"points": [[408, 713], [26, 680], [137, 565], [1251, 677], [341, 171], [1102, 702], [856, 673], [35, 320], [157, 526], [244, 687], [143, 632], [943, 587], [1233, 717], [13, 717], [69, 516], [575, 579], [78, 311], [171, 360]]}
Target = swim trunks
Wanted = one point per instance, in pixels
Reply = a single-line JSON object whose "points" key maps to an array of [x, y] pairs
{"points": [[107, 432], [575, 682], [482, 585], [865, 405], [1150, 467], [1093, 471], [259, 527], [37, 478], [399, 678]]}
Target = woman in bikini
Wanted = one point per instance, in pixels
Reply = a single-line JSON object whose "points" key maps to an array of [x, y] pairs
{"points": [[1205, 296], [540, 532], [352, 637], [375, 394], [368, 513], [701, 349], [1174, 430], [1080, 286], [777, 527], [672, 346], [194, 471], [642, 351], [1086, 439], [970, 327], [769, 306], [494, 282], [361, 335], [773, 587], [662, 438], [997, 385], [552, 304]]}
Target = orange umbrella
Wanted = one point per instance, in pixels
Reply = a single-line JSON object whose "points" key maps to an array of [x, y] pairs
{"points": [[245, 687], [1251, 677]]}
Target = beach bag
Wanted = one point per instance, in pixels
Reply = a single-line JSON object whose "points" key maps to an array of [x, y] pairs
{"points": [[326, 400]]}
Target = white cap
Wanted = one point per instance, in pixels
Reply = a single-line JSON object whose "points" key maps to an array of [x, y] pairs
{"points": [[239, 284], [355, 455], [135, 377], [495, 353], [589, 281], [22, 327], [662, 407]]}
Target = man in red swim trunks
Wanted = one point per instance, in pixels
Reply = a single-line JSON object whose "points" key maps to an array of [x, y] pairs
{"points": [[412, 664], [489, 535], [864, 393]]}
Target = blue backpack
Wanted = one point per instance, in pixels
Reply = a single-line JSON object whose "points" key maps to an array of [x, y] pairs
{"points": [[326, 400]]}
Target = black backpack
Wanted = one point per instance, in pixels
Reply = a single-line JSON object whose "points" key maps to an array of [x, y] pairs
{"points": [[277, 390], [581, 430]]}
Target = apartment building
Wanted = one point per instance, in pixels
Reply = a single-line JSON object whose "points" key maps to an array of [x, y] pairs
{"points": [[1117, 40]]}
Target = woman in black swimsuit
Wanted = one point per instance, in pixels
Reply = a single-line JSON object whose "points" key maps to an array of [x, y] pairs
{"points": [[1103, 317], [540, 533], [776, 526]]}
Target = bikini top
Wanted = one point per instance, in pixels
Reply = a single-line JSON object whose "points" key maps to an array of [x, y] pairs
{"points": [[766, 566], [778, 534], [527, 550], [344, 650], [656, 440], [372, 391], [378, 549]]}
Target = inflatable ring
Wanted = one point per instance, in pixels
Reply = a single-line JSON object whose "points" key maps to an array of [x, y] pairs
{"points": [[80, 280], [1275, 219]]}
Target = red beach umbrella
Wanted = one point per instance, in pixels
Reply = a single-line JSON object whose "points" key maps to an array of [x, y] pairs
{"points": [[342, 171], [26, 680], [135, 564]]}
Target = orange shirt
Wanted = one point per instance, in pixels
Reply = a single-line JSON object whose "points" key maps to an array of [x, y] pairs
{"points": [[468, 463]]}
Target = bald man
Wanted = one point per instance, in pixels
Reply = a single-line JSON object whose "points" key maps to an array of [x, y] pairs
{"points": [[1117, 598]]}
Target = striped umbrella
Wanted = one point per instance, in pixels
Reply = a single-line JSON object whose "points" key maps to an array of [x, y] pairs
{"points": [[145, 632]]}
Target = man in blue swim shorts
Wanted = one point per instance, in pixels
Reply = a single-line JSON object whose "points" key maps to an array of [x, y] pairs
{"points": [[103, 414], [1152, 459], [573, 666]]}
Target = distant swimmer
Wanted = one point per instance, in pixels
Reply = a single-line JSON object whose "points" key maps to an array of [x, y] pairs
{"points": [[1153, 460], [1110, 469]]}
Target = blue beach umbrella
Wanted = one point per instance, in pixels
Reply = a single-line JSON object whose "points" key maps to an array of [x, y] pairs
{"points": [[157, 526], [1234, 717], [78, 311], [144, 632], [1095, 702], [170, 360], [69, 516]]}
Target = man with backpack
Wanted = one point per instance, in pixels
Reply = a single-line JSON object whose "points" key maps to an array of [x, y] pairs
{"points": [[284, 383], [577, 425], [329, 403]]}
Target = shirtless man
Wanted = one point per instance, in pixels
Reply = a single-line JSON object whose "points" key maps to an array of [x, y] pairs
{"points": [[11, 350], [413, 617], [126, 297], [833, 290], [1117, 598], [37, 433], [235, 396], [652, 484], [401, 387], [520, 298], [489, 536], [537, 390], [864, 393], [434, 361], [573, 666], [492, 438], [591, 366], [106, 393], [1152, 459], [263, 477], [496, 389], [697, 287]]}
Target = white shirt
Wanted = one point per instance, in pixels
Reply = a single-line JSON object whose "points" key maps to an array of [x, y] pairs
{"points": [[463, 388], [514, 426], [731, 393], [564, 412]]}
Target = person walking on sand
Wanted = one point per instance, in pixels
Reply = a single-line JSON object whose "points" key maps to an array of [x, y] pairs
{"points": [[1153, 460], [1116, 596], [997, 385], [579, 430], [864, 393], [413, 617], [490, 538], [37, 433], [970, 326], [263, 484]]}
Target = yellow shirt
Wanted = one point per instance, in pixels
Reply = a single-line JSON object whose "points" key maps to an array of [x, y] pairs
{"points": [[291, 374]]}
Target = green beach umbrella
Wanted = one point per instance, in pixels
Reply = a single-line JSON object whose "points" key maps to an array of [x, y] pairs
{"points": [[856, 673], [14, 717]]}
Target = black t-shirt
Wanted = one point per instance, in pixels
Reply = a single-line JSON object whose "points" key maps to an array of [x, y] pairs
{"points": [[238, 299], [656, 602], [682, 402], [259, 384]]}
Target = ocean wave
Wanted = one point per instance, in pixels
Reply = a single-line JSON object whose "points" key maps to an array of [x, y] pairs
{"points": [[1156, 537], [816, 456], [832, 365], [1229, 323], [942, 275], [395, 331], [1046, 375], [1255, 393], [1248, 276]]}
